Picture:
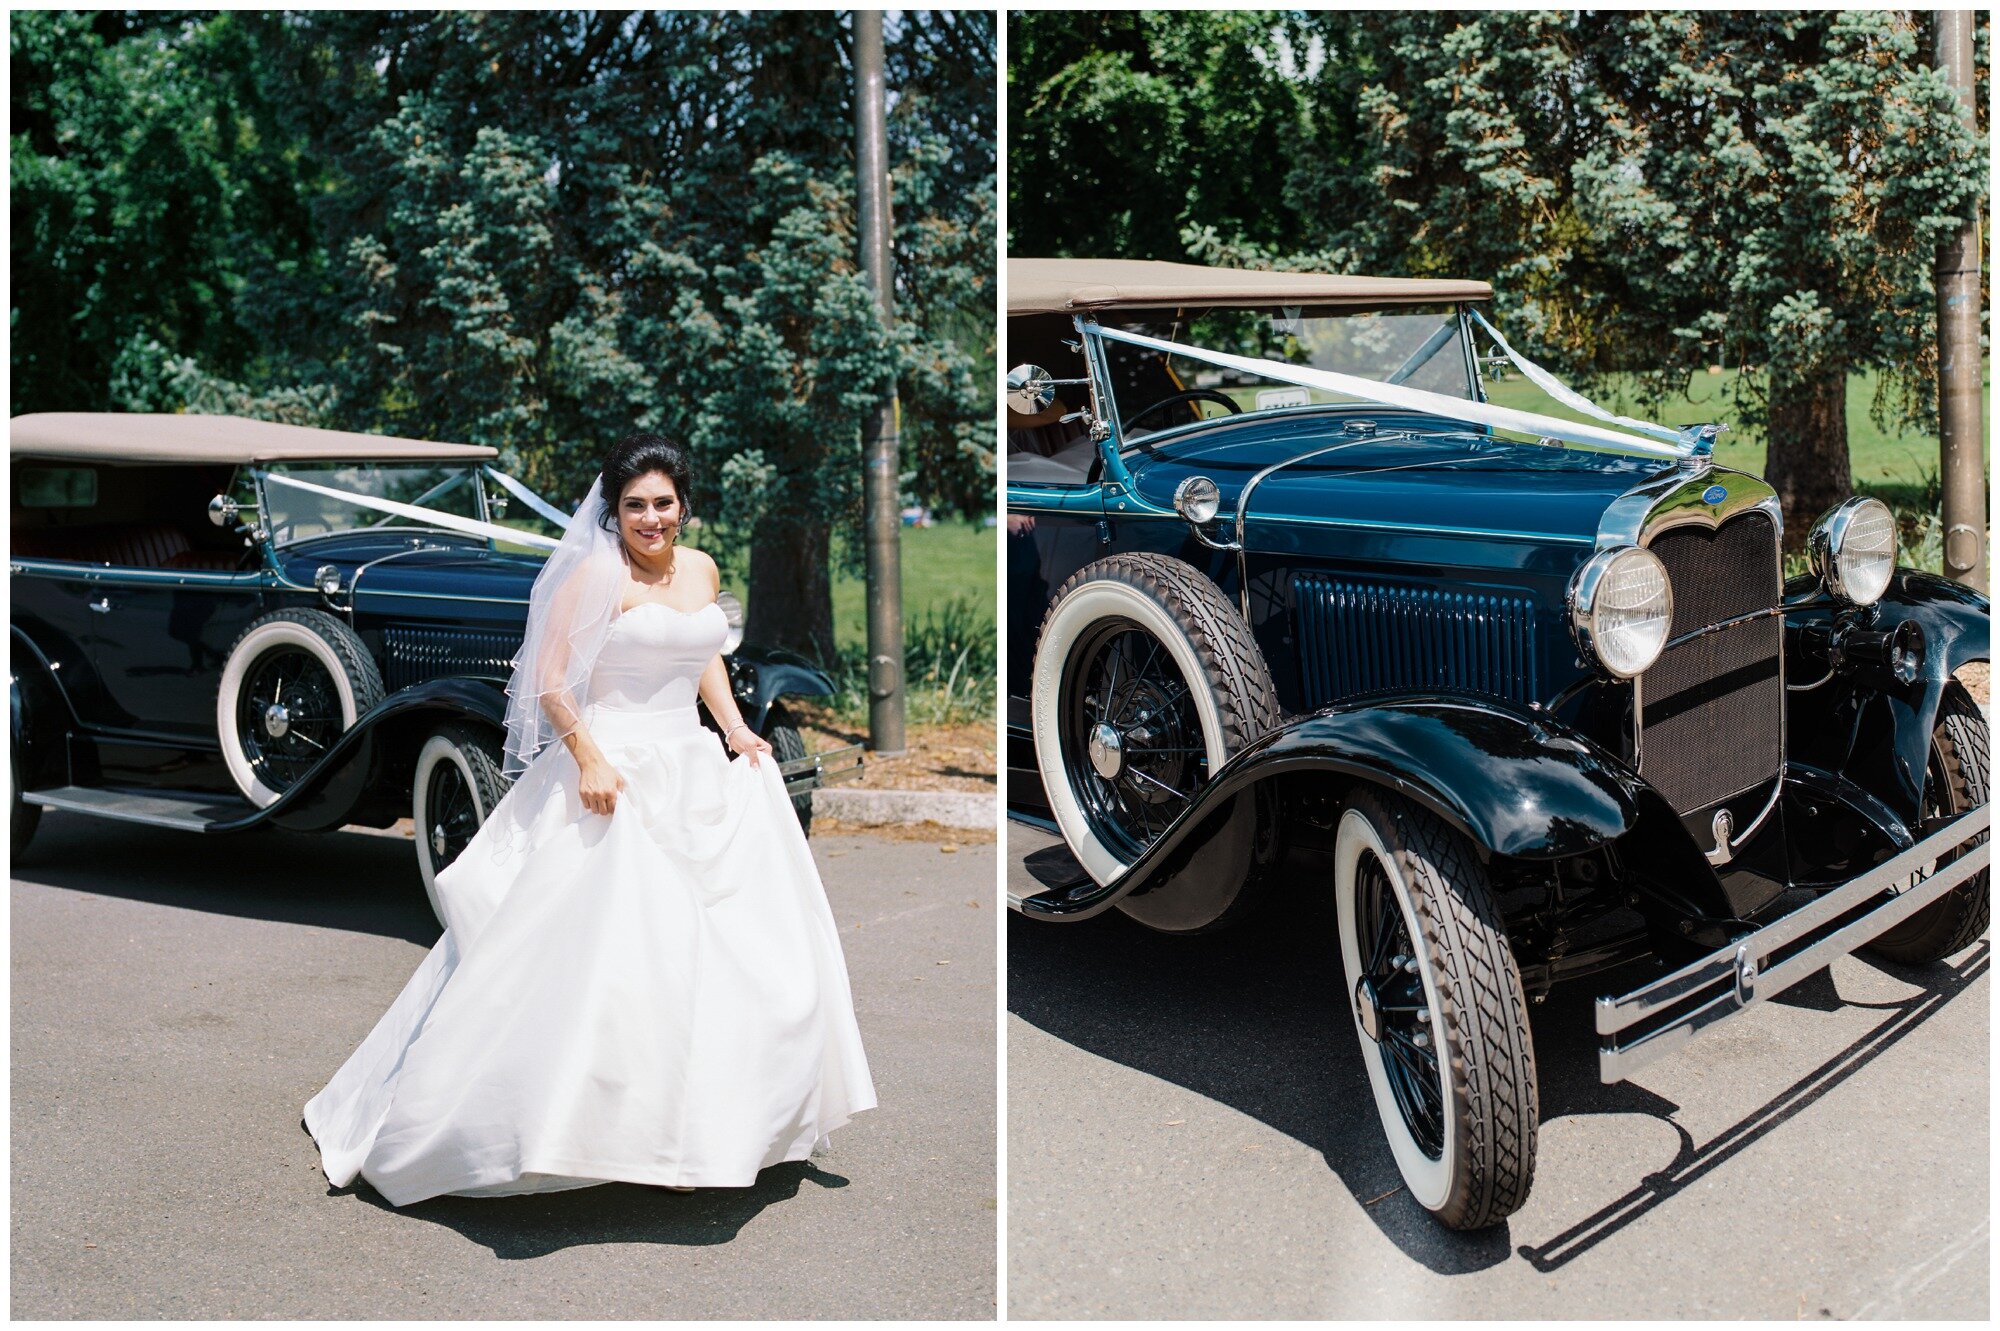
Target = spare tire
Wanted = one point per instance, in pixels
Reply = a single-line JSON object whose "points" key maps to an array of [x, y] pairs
{"points": [[1146, 680], [294, 681]]}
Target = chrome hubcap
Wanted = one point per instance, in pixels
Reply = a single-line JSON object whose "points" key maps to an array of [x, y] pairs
{"points": [[1106, 751], [1368, 1008], [277, 720], [438, 843]]}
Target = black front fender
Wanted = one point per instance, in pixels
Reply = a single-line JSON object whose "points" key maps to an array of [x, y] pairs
{"points": [[1862, 724], [762, 675], [1512, 779], [358, 771]]}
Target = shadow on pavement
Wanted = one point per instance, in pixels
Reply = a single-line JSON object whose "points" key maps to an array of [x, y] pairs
{"points": [[336, 880], [1938, 984], [1254, 1017], [520, 1228]]}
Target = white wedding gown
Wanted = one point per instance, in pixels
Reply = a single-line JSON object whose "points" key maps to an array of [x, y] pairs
{"points": [[656, 995]]}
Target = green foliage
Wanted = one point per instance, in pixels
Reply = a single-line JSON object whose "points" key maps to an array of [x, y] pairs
{"points": [[1128, 126], [532, 229], [1650, 192], [146, 196]]}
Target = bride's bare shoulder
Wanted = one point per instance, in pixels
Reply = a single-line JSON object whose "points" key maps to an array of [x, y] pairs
{"points": [[703, 564]]}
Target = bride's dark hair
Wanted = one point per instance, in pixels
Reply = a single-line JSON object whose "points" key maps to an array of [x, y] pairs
{"points": [[634, 456]]}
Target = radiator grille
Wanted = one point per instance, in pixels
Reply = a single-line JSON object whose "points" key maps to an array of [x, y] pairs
{"points": [[1354, 637], [411, 655], [1712, 710]]}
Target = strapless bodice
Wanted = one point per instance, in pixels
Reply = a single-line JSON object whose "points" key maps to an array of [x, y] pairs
{"points": [[653, 656]]}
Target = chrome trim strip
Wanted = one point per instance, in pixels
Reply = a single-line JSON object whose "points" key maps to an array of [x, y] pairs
{"points": [[136, 575], [1721, 624], [1740, 974]]}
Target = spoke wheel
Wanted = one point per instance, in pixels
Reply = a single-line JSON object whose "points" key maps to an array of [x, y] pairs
{"points": [[288, 715], [455, 789], [293, 683], [1146, 681], [1392, 994], [1130, 736]]}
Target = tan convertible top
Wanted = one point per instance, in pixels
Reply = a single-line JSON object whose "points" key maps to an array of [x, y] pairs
{"points": [[109, 436], [1058, 286]]}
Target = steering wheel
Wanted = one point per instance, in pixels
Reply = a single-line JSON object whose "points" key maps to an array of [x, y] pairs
{"points": [[1191, 395]]}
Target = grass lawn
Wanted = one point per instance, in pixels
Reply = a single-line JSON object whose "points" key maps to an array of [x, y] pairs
{"points": [[952, 559], [1895, 466]]}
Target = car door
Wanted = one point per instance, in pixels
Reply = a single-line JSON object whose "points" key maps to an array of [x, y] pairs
{"points": [[162, 637]]}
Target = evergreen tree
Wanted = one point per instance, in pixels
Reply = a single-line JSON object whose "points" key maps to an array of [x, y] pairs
{"points": [[539, 230]]}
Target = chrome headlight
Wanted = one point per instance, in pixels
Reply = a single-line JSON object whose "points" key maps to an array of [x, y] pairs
{"points": [[1197, 498], [1621, 608], [732, 610], [1853, 550]]}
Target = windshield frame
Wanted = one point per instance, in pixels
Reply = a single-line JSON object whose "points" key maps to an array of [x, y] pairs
{"points": [[381, 523], [1117, 444]]}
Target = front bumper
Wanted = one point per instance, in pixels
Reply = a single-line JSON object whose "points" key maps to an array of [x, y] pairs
{"points": [[1660, 1017], [821, 769]]}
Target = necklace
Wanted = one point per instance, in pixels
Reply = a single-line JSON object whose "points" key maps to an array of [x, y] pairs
{"points": [[660, 583]]}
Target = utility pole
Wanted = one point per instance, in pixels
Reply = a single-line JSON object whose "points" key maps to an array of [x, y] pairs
{"points": [[881, 447], [1960, 473]]}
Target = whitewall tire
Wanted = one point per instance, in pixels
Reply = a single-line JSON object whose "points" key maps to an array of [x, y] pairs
{"points": [[453, 791], [1435, 999], [1146, 681], [293, 682]]}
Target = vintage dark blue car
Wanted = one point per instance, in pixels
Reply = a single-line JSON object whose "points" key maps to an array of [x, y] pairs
{"points": [[1530, 709], [200, 642]]}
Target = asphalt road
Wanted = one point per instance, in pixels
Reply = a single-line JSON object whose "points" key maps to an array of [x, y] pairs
{"points": [[176, 1000], [1190, 1136]]}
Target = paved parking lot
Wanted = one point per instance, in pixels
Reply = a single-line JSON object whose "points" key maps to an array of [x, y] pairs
{"points": [[176, 1000], [1190, 1136]]}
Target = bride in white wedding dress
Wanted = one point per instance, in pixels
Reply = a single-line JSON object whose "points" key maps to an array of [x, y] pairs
{"points": [[639, 978]]}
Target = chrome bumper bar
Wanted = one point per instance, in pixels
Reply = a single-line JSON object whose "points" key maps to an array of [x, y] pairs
{"points": [[821, 769], [1660, 1017]]}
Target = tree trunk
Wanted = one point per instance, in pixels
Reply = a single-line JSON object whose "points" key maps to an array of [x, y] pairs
{"points": [[791, 591], [1807, 463]]}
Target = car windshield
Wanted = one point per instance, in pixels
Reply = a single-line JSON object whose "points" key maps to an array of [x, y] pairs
{"points": [[300, 515], [1153, 391]]}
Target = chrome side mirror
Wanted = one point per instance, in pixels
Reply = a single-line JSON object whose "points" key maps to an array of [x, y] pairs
{"points": [[1030, 389], [222, 510]]}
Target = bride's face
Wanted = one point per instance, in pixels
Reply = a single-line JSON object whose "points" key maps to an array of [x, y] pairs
{"points": [[649, 513]]}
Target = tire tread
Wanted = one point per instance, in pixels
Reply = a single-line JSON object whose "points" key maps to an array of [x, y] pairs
{"points": [[1483, 1010]]}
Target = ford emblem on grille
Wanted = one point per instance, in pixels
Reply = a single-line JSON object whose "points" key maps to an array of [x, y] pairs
{"points": [[1714, 494]]}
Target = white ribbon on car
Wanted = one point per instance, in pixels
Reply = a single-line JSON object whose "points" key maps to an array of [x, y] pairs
{"points": [[433, 517], [1568, 396], [530, 498], [1411, 399]]}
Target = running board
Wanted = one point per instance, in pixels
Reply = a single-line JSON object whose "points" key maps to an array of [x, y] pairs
{"points": [[183, 810]]}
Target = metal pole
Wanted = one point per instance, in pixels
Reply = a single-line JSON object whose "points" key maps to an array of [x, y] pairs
{"points": [[881, 447], [1960, 470]]}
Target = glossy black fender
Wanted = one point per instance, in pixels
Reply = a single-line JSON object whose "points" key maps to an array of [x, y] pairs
{"points": [[1517, 782], [39, 716], [762, 675], [365, 776], [1860, 723]]}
